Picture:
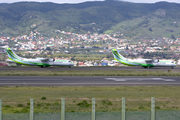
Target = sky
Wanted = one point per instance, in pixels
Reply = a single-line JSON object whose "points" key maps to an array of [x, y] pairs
{"points": [[79, 1]]}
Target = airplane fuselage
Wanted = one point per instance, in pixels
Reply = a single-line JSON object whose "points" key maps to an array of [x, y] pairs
{"points": [[43, 62], [142, 62], [38, 62], [146, 63]]}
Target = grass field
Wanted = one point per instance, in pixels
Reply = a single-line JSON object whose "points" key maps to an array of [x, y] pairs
{"points": [[90, 73], [78, 99]]}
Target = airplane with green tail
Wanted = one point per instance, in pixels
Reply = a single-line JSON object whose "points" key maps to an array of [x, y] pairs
{"points": [[146, 63], [42, 62]]}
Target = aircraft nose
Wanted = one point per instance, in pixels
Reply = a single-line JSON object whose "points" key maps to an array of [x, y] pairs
{"points": [[173, 65]]}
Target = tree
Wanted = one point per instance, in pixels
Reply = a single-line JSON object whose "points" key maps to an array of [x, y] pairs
{"points": [[73, 59], [48, 48], [173, 37], [150, 29]]}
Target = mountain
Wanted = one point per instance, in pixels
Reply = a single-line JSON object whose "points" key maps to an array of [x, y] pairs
{"points": [[98, 16], [155, 25]]}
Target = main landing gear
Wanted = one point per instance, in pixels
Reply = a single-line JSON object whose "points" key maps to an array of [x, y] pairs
{"points": [[147, 67]]}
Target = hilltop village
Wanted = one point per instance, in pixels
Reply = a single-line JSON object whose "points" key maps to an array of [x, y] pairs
{"points": [[66, 45]]}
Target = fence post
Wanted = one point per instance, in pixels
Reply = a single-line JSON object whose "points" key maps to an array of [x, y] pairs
{"points": [[93, 109], [152, 108], [62, 109], [31, 109], [123, 108], [0, 109]]}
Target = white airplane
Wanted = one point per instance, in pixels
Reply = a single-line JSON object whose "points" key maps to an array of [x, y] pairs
{"points": [[146, 63], [42, 62]]}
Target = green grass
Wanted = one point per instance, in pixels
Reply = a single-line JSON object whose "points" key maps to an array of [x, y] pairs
{"points": [[78, 99], [90, 73]]}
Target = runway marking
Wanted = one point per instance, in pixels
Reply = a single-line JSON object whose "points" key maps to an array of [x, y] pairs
{"points": [[29, 79], [140, 79], [89, 84]]}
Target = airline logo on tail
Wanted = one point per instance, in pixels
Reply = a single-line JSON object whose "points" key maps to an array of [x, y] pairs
{"points": [[11, 54], [14, 57], [117, 56]]}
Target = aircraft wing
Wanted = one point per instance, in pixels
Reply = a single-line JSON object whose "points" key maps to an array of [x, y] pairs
{"points": [[149, 60], [152, 60], [43, 59]]}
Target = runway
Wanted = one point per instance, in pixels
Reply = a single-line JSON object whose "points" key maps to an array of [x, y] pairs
{"points": [[87, 81], [36, 68]]}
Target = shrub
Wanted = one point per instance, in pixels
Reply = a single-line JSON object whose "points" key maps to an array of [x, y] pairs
{"points": [[141, 107], [106, 102], [17, 111], [20, 105], [56, 103], [7, 106], [38, 104], [157, 107], [24, 110], [48, 104], [43, 98], [84, 103]]}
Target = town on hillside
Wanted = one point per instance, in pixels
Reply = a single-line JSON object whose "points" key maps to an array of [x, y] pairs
{"points": [[90, 49]]}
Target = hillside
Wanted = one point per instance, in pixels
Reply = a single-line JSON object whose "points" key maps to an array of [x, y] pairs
{"points": [[23, 17], [155, 25]]}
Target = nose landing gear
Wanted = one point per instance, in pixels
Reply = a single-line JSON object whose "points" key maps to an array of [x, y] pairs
{"points": [[43, 66]]}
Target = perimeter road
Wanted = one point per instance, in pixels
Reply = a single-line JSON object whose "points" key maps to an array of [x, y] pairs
{"points": [[86, 81]]}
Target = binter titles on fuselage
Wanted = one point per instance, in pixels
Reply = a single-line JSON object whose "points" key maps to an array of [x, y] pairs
{"points": [[146, 63], [42, 62]]}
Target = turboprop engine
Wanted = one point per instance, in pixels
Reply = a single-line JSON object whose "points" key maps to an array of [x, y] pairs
{"points": [[46, 59], [51, 60], [155, 60]]}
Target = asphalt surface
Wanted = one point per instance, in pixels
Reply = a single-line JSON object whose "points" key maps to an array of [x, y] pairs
{"points": [[86, 81], [36, 68]]}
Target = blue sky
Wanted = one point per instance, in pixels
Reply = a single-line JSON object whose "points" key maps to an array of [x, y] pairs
{"points": [[79, 1]]}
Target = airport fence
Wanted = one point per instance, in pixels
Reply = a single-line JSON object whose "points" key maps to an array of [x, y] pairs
{"points": [[93, 114]]}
